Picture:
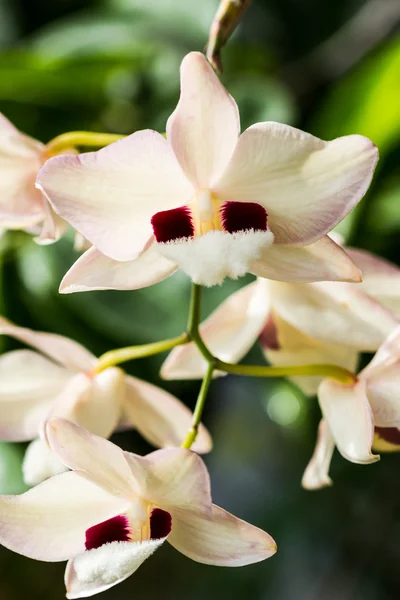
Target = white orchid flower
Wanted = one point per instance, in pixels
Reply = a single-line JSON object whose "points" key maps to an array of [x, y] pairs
{"points": [[22, 206], [207, 200], [297, 324], [61, 380], [116, 508], [353, 413]]}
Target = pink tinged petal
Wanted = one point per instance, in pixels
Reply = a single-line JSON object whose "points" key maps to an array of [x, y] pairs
{"points": [[296, 348], [100, 569], [21, 157], [316, 474], [52, 228], [49, 521], [321, 261], [334, 313], [172, 478], [160, 417], [383, 391], [388, 355], [109, 196], [29, 384], [349, 418], [230, 331], [219, 539], [211, 257], [381, 278], [40, 463], [204, 128], [95, 403], [68, 353], [306, 185], [94, 271], [96, 458]]}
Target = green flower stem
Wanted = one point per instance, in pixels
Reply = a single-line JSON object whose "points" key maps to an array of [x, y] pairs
{"points": [[322, 370], [120, 355], [71, 139], [198, 411], [194, 321]]}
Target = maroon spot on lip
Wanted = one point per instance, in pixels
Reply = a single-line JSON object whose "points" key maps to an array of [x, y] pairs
{"points": [[112, 530], [269, 335], [242, 216], [160, 523], [174, 224], [389, 434]]}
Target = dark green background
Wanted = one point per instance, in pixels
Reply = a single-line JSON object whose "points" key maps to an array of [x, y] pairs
{"points": [[330, 68]]}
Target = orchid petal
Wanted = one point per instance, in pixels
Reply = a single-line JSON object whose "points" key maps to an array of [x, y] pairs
{"points": [[346, 409], [98, 459], [204, 128], [21, 157], [316, 474], [296, 348], [335, 313], [160, 417], [94, 403], [52, 228], [388, 355], [49, 521], [219, 539], [173, 478], [381, 278], [100, 569], [40, 463], [229, 332], [94, 271], [68, 353], [306, 185], [109, 196], [29, 385], [323, 260]]}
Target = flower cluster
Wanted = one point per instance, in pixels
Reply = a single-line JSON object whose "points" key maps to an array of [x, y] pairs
{"points": [[214, 203]]}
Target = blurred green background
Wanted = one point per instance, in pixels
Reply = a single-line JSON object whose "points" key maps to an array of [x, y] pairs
{"points": [[112, 65]]}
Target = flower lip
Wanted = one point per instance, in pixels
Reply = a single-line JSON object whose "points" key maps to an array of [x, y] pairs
{"points": [[115, 529], [389, 434], [174, 224], [160, 524], [243, 216]]}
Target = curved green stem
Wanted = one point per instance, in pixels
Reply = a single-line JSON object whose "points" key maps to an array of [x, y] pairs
{"points": [[194, 321], [321, 370], [120, 355], [71, 139], [198, 411]]}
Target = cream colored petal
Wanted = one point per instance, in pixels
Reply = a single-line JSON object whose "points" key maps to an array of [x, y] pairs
{"points": [[296, 348], [350, 420], [49, 521], [29, 385], [204, 128], [229, 332], [160, 417], [316, 475], [68, 353], [96, 458], [306, 185], [94, 271], [323, 260], [40, 463], [219, 538], [109, 196]]}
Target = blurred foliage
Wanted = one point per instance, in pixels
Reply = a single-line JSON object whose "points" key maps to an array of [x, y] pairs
{"points": [[113, 65]]}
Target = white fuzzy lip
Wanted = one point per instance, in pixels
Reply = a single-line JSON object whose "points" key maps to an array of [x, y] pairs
{"points": [[209, 258]]}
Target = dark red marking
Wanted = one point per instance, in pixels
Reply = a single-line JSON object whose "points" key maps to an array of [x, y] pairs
{"points": [[269, 335], [175, 224], [242, 216], [160, 523], [112, 530], [389, 434]]}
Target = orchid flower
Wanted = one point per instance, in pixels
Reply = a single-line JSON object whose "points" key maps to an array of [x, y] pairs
{"points": [[116, 508], [208, 201], [61, 380], [353, 413], [22, 206], [298, 324]]}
